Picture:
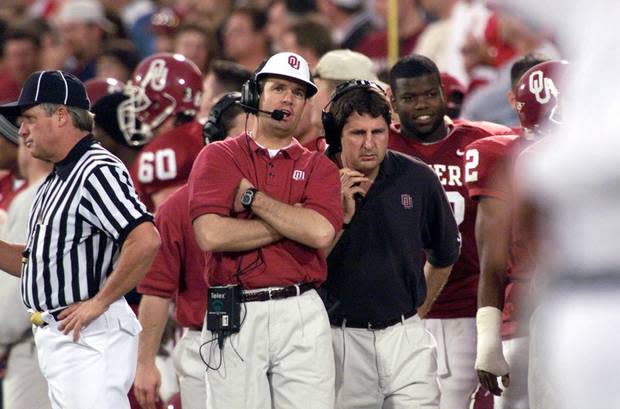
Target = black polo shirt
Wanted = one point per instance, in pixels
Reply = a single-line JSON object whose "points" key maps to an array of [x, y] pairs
{"points": [[375, 272]]}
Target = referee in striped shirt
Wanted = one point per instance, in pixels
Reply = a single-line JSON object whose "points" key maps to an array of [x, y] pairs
{"points": [[90, 241]]}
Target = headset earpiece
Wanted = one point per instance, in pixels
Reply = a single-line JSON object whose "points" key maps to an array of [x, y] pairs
{"points": [[250, 94], [212, 130], [332, 136]]}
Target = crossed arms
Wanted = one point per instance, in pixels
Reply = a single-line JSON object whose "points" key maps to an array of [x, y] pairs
{"points": [[274, 220]]}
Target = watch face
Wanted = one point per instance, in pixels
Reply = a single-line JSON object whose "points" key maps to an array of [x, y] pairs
{"points": [[246, 198]]}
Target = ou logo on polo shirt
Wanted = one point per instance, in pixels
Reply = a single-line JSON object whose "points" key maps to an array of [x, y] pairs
{"points": [[299, 175], [406, 201]]}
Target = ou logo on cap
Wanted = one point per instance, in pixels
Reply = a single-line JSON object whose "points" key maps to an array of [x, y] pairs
{"points": [[293, 61], [543, 88]]}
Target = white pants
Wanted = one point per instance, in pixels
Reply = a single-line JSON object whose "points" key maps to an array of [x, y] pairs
{"points": [[456, 354], [282, 358], [168, 375], [393, 368], [516, 352], [97, 371], [577, 338], [191, 371], [542, 393], [24, 387]]}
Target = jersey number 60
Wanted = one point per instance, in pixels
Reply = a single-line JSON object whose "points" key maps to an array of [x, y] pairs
{"points": [[161, 165]]}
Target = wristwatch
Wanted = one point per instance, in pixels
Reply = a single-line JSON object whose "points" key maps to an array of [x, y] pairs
{"points": [[247, 198]]}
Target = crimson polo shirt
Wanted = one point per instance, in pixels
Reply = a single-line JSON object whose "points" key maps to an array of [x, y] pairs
{"points": [[294, 175], [179, 264]]}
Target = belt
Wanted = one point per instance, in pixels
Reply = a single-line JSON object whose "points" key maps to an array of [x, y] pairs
{"points": [[37, 317], [371, 325], [278, 294]]}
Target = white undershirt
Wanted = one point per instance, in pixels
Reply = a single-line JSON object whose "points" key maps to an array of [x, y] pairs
{"points": [[272, 152]]}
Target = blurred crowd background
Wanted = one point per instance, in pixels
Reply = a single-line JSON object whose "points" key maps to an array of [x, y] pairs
{"points": [[474, 41]]}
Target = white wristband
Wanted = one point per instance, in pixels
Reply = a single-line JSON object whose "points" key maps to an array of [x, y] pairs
{"points": [[490, 356]]}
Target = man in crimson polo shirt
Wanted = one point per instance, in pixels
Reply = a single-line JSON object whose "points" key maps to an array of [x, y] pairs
{"points": [[270, 243], [176, 275]]}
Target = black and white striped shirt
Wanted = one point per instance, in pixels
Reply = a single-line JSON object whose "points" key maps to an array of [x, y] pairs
{"points": [[80, 216]]}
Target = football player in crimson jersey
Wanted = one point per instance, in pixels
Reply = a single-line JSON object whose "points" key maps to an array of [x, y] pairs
{"points": [[505, 258], [164, 97], [426, 132]]}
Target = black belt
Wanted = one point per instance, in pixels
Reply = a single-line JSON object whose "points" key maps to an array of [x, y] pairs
{"points": [[372, 325], [278, 294]]}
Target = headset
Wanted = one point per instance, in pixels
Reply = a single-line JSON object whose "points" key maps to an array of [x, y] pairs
{"points": [[250, 94], [332, 132], [212, 130]]}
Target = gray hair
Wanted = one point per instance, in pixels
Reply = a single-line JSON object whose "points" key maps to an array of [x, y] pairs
{"points": [[81, 118]]}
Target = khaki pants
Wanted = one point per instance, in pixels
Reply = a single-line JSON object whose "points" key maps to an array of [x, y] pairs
{"points": [[191, 371], [392, 368], [282, 358], [456, 354]]}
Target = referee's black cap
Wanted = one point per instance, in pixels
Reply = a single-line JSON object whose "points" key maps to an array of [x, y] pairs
{"points": [[56, 87]]}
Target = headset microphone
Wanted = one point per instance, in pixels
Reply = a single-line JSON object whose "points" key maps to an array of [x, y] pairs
{"points": [[275, 114]]}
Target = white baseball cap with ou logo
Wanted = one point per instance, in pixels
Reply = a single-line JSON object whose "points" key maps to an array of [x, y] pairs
{"points": [[289, 65]]}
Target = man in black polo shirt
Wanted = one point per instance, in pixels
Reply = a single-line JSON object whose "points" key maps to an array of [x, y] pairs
{"points": [[396, 216]]}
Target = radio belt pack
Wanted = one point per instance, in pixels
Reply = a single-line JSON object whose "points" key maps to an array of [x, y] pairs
{"points": [[224, 309]]}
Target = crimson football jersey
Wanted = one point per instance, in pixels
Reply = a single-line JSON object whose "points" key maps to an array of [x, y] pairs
{"points": [[177, 271], [447, 158], [166, 161], [492, 161]]}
